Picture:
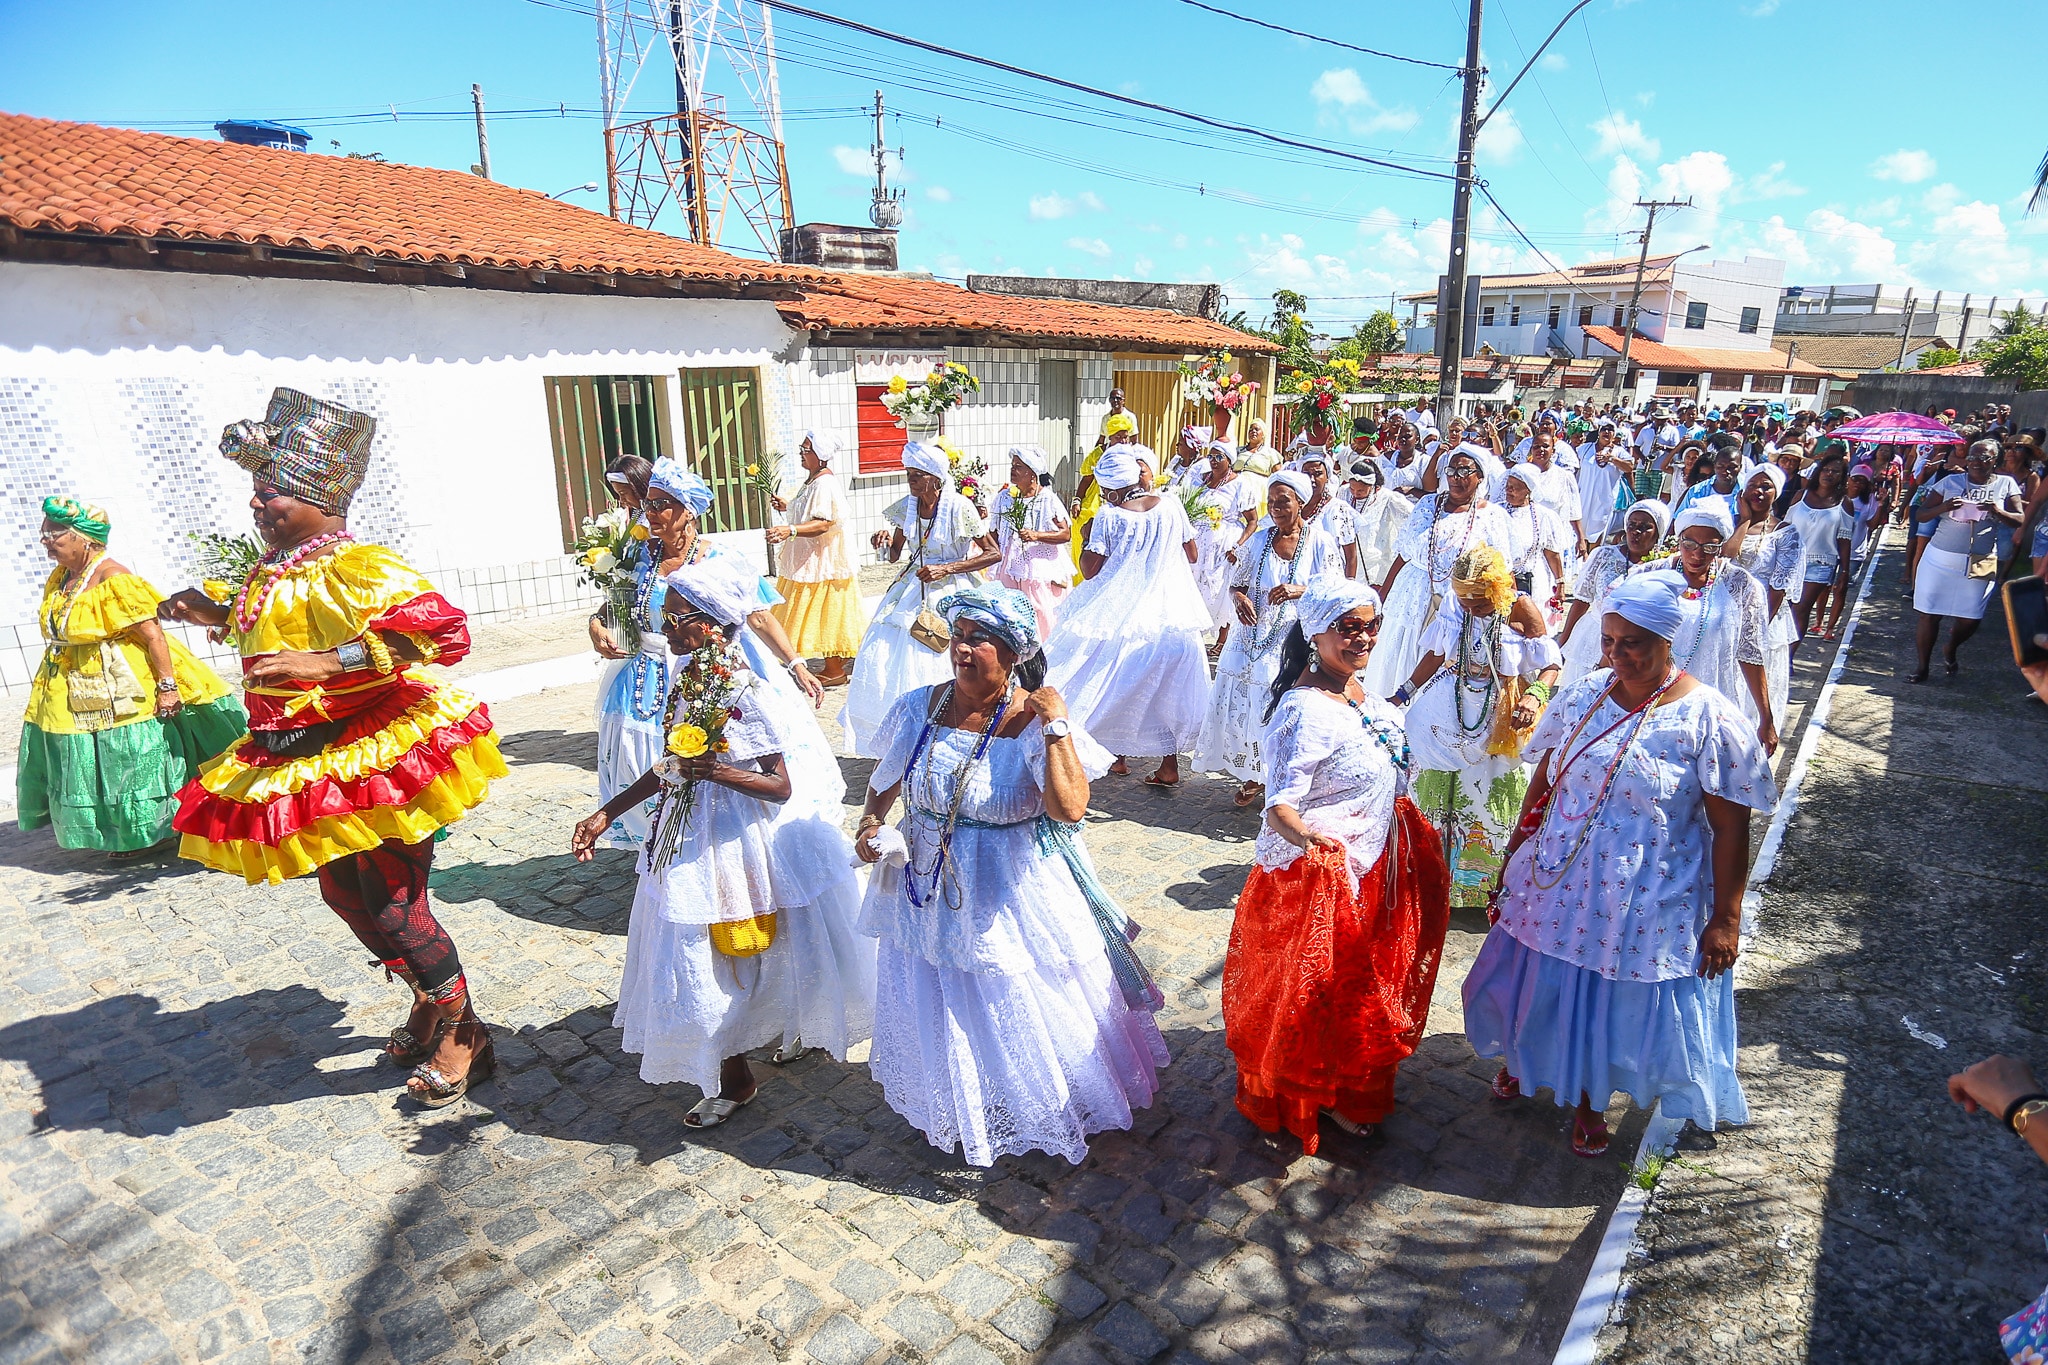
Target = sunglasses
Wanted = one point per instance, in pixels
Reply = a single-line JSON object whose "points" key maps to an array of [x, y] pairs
{"points": [[1352, 630], [660, 502]]}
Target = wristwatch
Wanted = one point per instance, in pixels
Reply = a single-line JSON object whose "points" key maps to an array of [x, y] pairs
{"points": [[1057, 729]]}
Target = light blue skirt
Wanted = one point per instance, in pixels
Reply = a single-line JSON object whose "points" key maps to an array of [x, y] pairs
{"points": [[1563, 1028]]}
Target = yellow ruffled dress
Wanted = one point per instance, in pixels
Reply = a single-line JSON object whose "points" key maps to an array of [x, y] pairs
{"points": [[96, 764], [377, 756], [1091, 503]]}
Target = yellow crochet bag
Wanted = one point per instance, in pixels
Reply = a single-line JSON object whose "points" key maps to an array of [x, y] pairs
{"points": [[744, 937]]}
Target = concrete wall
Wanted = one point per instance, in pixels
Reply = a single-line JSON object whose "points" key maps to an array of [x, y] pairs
{"points": [[1913, 392]]}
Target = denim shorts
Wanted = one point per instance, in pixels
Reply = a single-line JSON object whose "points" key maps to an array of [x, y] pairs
{"points": [[2040, 540]]}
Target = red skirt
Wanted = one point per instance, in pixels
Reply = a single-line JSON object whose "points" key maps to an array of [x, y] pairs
{"points": [[1326, 990]]}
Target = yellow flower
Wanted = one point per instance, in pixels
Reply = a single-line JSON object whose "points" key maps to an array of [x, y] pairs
{"points": [[752, 470], [934, 377], [637, 531], [217, 591], [590, 556], [688, 741], [898, 384], [956, 367]]}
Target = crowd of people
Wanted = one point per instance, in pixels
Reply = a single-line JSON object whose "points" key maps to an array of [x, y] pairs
{"points": [[1533, 665]]}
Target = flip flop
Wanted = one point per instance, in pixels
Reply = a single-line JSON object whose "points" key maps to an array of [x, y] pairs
{"points": [[1587, 1142], [1349, 1126], [1248, 793], [1506, 1087], [1155, 780], [712, 1111], [788, 1052]]}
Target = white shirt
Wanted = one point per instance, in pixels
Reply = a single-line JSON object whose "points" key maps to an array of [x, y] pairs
{"points": [[1331, 763]]}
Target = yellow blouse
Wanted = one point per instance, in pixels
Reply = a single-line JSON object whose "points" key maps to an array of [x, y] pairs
{"points": [[330, 600], [87, 639]]}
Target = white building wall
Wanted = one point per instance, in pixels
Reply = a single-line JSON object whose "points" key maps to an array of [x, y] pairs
{"points": [[1727, 287]]}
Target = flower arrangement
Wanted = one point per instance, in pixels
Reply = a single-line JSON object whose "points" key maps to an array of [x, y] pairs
{"points": [[703, 698], [224, 562], [970, 473], [1017, 511], [1211, 380], [608, 549], [765, 479], [1199, 512], [927, 400], [1317, 408]]}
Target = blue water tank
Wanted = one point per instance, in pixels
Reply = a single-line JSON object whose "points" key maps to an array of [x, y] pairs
{"points": [[263, 133]]}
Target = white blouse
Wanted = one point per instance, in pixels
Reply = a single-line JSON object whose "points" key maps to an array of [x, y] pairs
{"points": [[1433, 540], [1024, 561], [1334, 764], [1257, 572], [820, 558], [1630, 901]]}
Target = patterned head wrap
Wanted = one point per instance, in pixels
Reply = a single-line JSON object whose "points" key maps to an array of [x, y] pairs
{"points": [[679, 483], [1120, 423], [305, 448], [1003, 612], [825, 446], [1482, 571], [1710, 512], [1656, 509], [85, 518], [1328, 597], [1118, 466], [718, 587], [1033, 459], [925, 458], [1650, 600], [1294, 480]]}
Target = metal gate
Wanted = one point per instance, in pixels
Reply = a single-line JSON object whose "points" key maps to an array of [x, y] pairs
{"points": [[592, 420], [1058, 415], [721, 437]]}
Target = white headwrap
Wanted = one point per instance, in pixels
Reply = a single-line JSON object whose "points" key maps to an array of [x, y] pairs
{"points": [[1117, 467], [1650, 600], [1319, 454], [825, 445], [1656, 509], [1531, 477], [927, 459], [1032, 459], [718, 587], [1223, 448], [1768, 471], [1328, 597], [1708, 512], [1292, 478]]}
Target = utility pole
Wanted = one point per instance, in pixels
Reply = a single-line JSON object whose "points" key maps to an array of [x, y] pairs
{"points": [[1450, 328], [483, 142], [1635, 298], [1906, 332], [885, 209]]}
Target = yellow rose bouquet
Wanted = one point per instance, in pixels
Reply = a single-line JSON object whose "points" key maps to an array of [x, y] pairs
{"points": [[705, 695]]}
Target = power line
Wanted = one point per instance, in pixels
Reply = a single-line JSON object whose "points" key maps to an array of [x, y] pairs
{"points": [[1319, 38]]}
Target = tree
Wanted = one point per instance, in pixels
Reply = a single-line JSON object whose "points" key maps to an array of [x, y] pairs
{"points": [[1936, 356], [2018, 351], [1288, 307], [1379, 334]]}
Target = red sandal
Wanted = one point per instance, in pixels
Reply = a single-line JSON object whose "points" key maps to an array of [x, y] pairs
{"points": [[1589, 1142], [1506, 1087]]}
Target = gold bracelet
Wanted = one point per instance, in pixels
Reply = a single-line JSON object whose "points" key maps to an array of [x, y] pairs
{"points": [[380, 653], [867, 822]]}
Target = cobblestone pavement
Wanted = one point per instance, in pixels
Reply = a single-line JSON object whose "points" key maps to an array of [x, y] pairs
{"points": [[1861, 1216], [200, 1158]]}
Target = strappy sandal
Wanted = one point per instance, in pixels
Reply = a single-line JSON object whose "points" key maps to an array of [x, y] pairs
{"points": [[403, 1049], [712, 1110], [1155, 780], [1350, 1126], [438, 1092], [1588, 1142], [787, 1052], [1506, 1087], [1250, 792]]}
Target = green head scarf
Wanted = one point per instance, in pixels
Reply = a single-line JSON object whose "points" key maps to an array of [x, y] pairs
{"points": [[82, 517]]}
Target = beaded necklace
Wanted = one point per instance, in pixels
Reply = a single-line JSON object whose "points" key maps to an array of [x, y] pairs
{"points": [[647, 672], [271, 569], [1538, 869], [941, 860], [1707, 608], [1382, 734], [1262, 644], [1471, 515], [1489, 642]]}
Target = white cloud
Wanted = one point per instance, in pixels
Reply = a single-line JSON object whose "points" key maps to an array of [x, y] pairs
{"points": [[1762, 9], [854, 160], [1093, 246], [1553, 61], [1940, 198], [1089, 200], [1905, 166], [1500, 139], [938, 194], [1141, 266], [1342, 97], [1056, 205], [1621, 134], [1772, 184]]}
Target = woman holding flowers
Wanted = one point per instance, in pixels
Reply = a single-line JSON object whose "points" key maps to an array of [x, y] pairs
{"points": [[820, 610], [120, 715], [1619, 915], [1011, 1012], [948, 544], [1443, 526], [1272, 572], [1340, 927], [1488, 667], [1225, 511], [742, 932], [1031, 532]]}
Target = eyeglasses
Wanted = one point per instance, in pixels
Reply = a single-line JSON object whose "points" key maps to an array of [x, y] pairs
{"points": [[1705, 547], [1352, 629], [1464, 471]]}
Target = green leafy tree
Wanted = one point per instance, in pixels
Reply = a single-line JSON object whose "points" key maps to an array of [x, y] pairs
{"points": [[1379, 334], [1934, 357], [2017, 352]]}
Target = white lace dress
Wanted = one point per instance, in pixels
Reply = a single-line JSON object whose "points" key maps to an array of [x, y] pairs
{"points": [[1251, 659], [1430, 544], [683, 1005], [1127, 653], [1602, 569], [1778, 559], [1722, 628], [1534, 528], [890, 662], [1378, 522], [999, 1025], [1216, 537]]}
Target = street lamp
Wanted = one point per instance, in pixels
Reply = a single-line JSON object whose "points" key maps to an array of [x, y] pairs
{"points": [[587, 187]]}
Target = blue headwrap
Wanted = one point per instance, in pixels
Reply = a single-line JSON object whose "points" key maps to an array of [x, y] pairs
{"points": [[679, 483], [1650, 600], [1003, 612]]}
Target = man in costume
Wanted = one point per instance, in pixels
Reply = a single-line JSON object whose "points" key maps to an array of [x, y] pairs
{"points": [[354, 762]]}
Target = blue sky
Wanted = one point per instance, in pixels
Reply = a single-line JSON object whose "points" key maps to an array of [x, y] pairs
{"points": [[1847, 137]]}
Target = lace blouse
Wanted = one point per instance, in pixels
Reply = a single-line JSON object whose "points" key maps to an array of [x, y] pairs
{"points": [[1258, 571], [1433, 539], [1023, 561], [822, 558], [1335, 766]]}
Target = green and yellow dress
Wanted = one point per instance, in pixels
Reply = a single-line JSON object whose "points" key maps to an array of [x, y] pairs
{"points": [[96, 763]]}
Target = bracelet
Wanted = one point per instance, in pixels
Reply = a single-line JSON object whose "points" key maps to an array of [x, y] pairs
{"points": [[1402, 694], [1541, 691], [380, 653], [2012, 1110], [166, 684], [352, 655]]}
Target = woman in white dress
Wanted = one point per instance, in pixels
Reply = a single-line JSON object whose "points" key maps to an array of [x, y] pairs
{"points": [[1127, 651], [1643, 530], [1325, 510], [821, 610], [1032, 527], [1377, 515], [1271, 574], [1229, 507], [743, 928], [1727, 614], [1774, 553], [948, 545], [1620, 912], [1443, 526], [1825, 523], [1488, 666], [1541, 542], [1011, 1011], [1958, 570]]}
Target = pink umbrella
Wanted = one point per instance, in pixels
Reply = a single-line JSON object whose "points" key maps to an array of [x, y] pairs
{"points": [[1897, 428]]}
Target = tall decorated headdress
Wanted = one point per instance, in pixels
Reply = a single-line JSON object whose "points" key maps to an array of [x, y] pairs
{"points": [[306, 448]]}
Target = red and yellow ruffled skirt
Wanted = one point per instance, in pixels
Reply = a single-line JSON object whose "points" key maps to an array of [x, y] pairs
{"points": [[1325, 988], [402, 770]]}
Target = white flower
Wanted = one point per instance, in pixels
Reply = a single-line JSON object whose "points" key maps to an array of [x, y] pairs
{"points": [[604, 562]]}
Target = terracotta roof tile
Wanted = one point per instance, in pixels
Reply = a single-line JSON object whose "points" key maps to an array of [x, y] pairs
{"points": [[1655, 355], [81, 177]]}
